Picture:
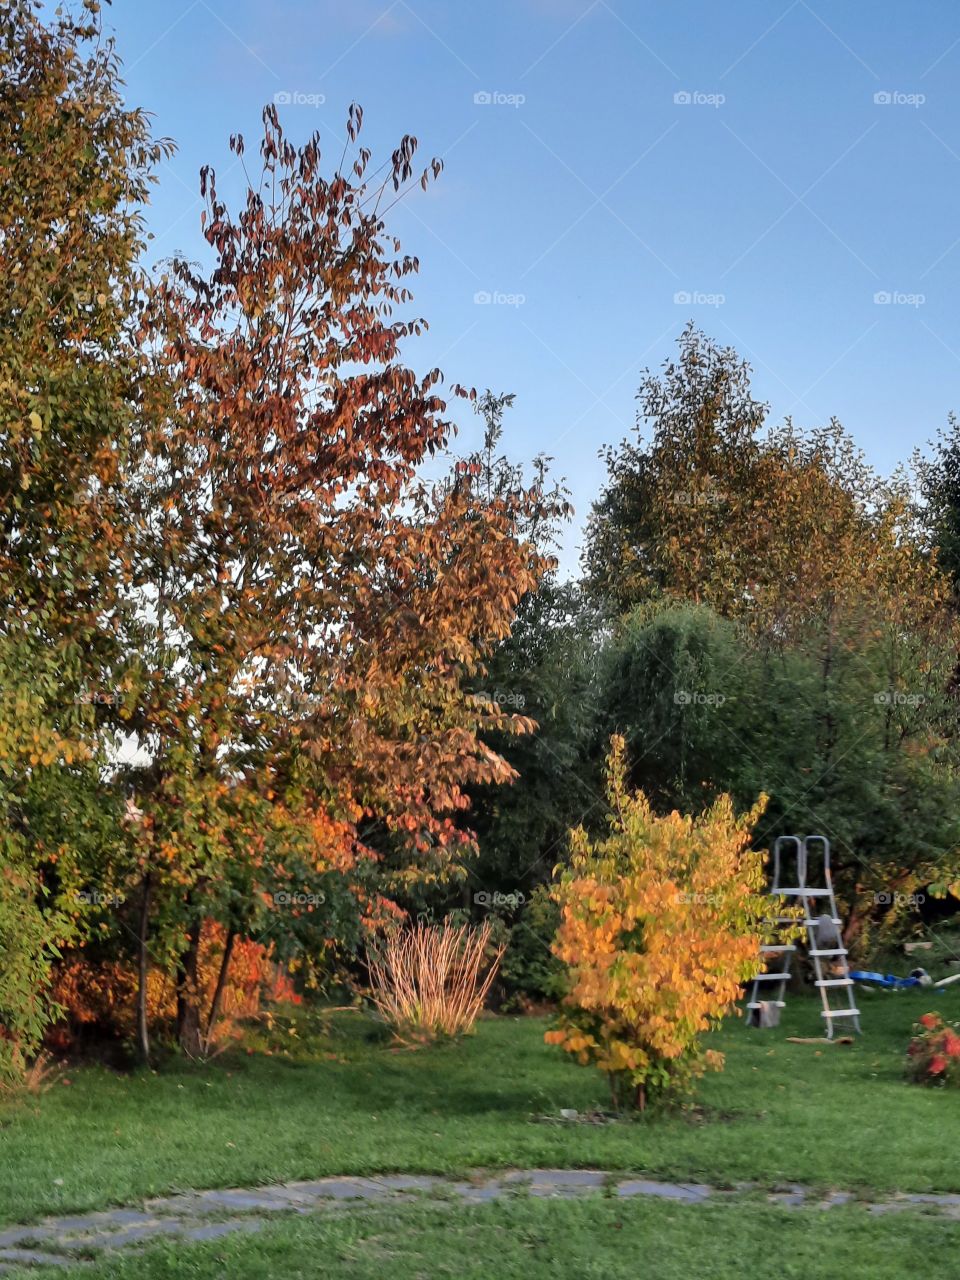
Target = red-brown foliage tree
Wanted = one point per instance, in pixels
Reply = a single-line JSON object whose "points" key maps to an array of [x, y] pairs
{"points": [[314, 605]]}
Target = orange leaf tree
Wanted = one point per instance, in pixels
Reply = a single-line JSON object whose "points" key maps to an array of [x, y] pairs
{"points": [[660, 924], [314, 608]]}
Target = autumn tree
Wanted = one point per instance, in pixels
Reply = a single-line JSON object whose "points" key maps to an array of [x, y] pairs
{"points": [[789, 530], [315, 607], [656, 526], [661, 922], [75, 167]]}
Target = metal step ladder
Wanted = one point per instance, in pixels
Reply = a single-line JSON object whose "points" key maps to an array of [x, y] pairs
{"points": [[796, 888]]}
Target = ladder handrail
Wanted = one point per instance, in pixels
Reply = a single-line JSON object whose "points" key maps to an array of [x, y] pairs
{"points": [[827, 877], [775, 885]]}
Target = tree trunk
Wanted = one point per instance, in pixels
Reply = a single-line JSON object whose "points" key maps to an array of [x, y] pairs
{"points": [[188, 995], [858, 917], [143, 1028], [221, 984]]}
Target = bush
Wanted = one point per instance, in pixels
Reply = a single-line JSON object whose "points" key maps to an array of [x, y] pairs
{"points": [[26, 951], [660, 924], [933, 1055], [426, 981], [530, 973], [100, 995]]}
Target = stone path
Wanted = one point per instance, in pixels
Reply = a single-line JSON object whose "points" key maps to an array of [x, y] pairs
{"points": [[207, 1215]]}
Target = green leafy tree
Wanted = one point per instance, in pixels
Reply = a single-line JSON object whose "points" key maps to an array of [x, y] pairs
{"points": [[860, 748], [939, 478], [76, 167]]}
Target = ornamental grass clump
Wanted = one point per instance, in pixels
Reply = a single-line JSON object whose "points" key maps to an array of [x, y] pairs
{"points": [[430, 982], [660, 924]]}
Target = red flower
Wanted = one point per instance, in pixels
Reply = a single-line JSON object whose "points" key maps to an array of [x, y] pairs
{"points": [[951, 1044], [938, 1063], [930, 1020]]}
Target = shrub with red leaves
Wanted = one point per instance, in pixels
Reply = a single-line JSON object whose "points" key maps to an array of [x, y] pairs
{"points": [[933, 1055], [102, 994]]}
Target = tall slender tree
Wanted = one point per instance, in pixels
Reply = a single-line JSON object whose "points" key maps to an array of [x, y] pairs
{"points": [[75, 168]]}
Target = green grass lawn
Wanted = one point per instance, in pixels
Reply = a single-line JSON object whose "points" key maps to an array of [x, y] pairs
{"points": [[550, 1240], [344, 1101]]}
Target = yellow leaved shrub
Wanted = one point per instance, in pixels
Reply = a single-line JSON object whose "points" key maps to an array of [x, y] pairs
{"points": [[661, 922]]}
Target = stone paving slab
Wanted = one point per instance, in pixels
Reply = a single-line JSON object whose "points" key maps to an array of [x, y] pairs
{"points": [[336, 1189], [691, 1193], [33, 1257], [410, 1182], [793, 1197], [214, 1230], [79, 1240], [476, 1192], [836, 1198], [210, 1215], [241, 1200], [946, 1205], [557, 1177], [17, 1235]]}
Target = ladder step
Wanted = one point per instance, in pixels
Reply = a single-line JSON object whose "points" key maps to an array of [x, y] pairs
{"points": [[769, 949], [834, 982], [758, 1004], [771, 977], [801, 892], [840, 1013], [834, 951], [798, 920]]}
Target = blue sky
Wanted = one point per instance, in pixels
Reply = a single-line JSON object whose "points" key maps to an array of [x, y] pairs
{"points": [[767, 167]]}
